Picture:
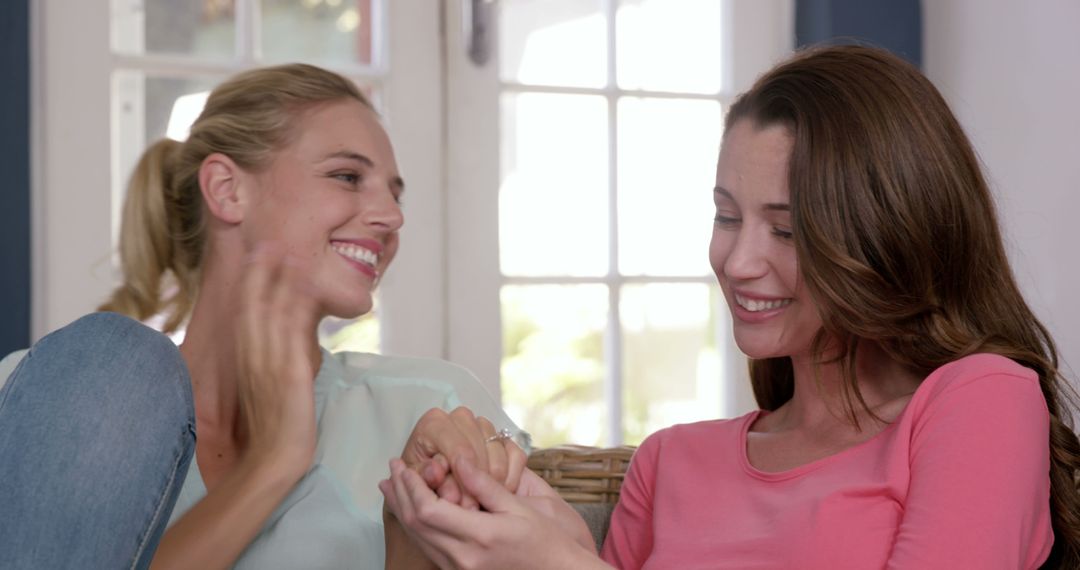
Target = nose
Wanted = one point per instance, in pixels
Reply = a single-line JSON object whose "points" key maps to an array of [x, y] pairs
{"points": [[383, 211], [747, 258]]}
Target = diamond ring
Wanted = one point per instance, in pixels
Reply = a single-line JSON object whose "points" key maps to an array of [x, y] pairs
{"points": [[500, 435]]}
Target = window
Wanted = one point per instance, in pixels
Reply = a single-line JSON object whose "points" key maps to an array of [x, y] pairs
{"points": [[610, 117]]}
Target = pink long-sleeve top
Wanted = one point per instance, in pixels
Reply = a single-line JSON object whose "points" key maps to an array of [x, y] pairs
{"points": [[959, 480]]}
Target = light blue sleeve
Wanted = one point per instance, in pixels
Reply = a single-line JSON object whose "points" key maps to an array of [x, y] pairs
{"points": [[459, 386]]}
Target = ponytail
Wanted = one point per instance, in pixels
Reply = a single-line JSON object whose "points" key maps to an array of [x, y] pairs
{"points": [[157, 261]]}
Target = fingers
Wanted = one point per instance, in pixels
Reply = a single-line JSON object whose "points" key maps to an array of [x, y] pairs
{"points": [[435, 520], [490, 493], [468, 427], [438, 433], [498, 462], [277, 354], [454, 435], [277, 310], [389, 496], [402, 506], [259, 275], [532, 485], [435, 470], [439, 528], [450, 490], [461, 435], [399, 502], [516, 461]]}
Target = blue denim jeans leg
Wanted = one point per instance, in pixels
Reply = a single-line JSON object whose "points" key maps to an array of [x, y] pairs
{"points": [[97, 431]]}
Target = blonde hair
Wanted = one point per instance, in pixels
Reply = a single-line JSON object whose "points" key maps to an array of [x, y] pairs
{"points": [[163, 228]]}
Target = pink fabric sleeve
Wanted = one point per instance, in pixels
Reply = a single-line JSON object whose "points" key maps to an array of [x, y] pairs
{"points": [[630, 536], [980, 488]]}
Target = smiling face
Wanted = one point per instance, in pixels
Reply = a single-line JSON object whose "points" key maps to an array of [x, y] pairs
{"points": [[752, 252], [330, 198]]}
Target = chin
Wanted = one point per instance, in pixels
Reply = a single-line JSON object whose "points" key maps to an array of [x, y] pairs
{"points": [[350, 308], [757, 349]]}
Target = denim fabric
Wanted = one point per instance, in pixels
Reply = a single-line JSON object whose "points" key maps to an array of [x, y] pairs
{"points": [[97, 432]]}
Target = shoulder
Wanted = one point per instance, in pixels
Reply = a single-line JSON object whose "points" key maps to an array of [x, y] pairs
{"points": [[980, 388], [352, 368], [426, 382], [694, 438], [990, 373]]}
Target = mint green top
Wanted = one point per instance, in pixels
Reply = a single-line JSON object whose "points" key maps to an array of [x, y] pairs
{"points": [[366, 407]]}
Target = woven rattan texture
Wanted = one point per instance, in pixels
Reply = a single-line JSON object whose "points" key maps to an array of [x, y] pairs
{"points": [[582, 474]]}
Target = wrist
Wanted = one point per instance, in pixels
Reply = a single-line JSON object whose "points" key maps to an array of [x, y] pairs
{"points": [[275, 468], [581, 557]]}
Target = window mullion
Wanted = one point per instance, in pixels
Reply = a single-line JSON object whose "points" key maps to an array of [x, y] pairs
{"points": [[613, 381], [248, 44]]}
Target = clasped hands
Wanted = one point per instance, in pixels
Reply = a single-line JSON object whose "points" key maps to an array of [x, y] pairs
{"points": [[465, 498]]}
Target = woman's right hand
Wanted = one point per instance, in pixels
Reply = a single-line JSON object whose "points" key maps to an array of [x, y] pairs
{"points": [[530, 529], [277, 359]]}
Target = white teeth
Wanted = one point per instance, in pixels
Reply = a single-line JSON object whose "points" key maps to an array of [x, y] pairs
{"points": [[356, 253], [754, 305]]}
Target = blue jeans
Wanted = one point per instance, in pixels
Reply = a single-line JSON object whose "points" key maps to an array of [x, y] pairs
{"points": [[97, 430]]}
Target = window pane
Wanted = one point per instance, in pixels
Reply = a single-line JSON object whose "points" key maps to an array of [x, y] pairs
{"points": [[667, 169], [553, 361], [321, 31], [671, 360], [196, 28], [553, 42], [553, 202], [670, 45], [145, 109]]}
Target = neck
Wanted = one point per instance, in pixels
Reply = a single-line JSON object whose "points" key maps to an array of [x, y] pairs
{"points": [[818, 398], [211, 346]]}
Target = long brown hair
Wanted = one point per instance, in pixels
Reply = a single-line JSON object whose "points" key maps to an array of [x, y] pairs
{"points": [[898, 240], [162, 230]]}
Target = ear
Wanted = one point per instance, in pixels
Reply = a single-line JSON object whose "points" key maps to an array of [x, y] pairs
{"points": [[220, 180]]}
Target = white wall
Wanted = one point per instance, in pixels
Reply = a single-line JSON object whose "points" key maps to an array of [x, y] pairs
{"points": [[1011, 71]]}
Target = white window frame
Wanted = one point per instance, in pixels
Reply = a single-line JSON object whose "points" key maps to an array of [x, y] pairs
{"points": [[759, 32]]}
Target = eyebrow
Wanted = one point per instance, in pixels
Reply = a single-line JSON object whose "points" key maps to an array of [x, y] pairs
{"points": [[772, 206], [396, 181]]}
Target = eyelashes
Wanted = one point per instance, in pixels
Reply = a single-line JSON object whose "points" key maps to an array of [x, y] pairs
{"points": [[356, 180], [728, 222], [350, 178]]}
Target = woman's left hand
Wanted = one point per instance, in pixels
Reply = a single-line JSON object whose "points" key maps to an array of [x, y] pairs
{"points": [[441, 438], [533, 528]]}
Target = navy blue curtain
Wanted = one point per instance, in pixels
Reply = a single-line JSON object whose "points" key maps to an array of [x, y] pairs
{"points": [[895, 25], [15, 174]]}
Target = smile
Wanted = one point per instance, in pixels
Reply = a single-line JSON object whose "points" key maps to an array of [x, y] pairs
{"points": [[361, 256], [755, 306]]}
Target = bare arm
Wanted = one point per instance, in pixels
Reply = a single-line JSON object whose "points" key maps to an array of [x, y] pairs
{"points": [[401, 552], [218, 528], [276, 362]]}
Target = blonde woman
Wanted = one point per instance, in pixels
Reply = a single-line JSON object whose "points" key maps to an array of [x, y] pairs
{"points": [[282, 207]]}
